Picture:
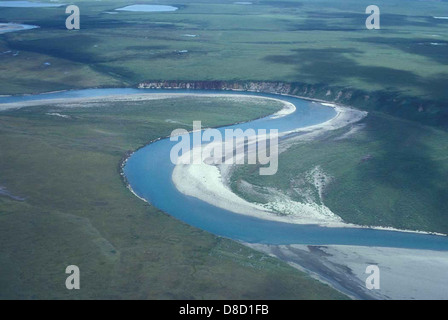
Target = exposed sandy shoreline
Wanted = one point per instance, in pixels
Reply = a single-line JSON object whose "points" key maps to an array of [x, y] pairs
{"points": [[12, 27], [208, 182], [404, 273], [211, 185], [67, 102]]}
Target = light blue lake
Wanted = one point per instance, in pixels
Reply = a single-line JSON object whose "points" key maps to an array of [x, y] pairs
{"points": [[148, 8]]}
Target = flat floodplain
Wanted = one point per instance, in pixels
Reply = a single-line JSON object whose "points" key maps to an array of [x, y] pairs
{"points": [[79, 211], [60, 165]]}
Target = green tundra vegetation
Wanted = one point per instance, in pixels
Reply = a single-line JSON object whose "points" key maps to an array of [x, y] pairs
{"points": [[291, 41], [391, 172], [400, 69], [383, 172], [77, 210]]}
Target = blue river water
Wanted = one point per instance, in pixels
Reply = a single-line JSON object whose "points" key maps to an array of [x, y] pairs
{"points": [[149, 171], [27, 4]]}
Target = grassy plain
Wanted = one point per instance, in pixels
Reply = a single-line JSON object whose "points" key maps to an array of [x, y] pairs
{"points": [[78, 211], [384, 172], [291, 41], [76, 207]]}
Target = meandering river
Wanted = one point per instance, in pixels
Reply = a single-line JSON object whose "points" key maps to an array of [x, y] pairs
{"points": [[149, 171]]}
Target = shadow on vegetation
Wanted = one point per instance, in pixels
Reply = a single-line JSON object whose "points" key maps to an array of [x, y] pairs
{"points": [[348, 21], [330, 65], [403, 184], [403, 94], [432, 48]]}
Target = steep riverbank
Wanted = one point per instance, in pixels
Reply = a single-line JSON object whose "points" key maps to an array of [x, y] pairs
{"points": [[423, 110]]}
